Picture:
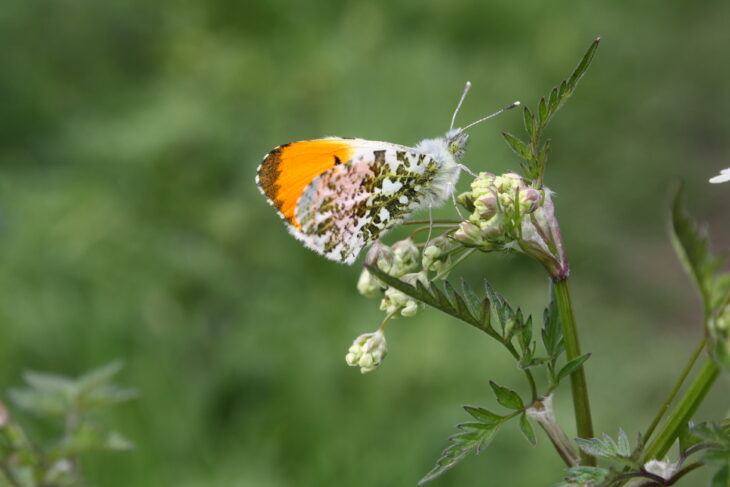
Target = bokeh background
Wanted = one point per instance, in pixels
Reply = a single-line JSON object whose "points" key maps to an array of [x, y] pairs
{"points": [[131, 227]]}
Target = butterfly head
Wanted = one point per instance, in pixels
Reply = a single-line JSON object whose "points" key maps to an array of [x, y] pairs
{"points": [[456, 141]]}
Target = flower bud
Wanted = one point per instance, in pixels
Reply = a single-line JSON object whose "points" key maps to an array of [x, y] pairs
{"points": [[380, 256], [664, 469], [469, 234], [367, 351], [466, 200], [487, 206], [368, 285], [406, 257], [395, 300], [529, 200]]}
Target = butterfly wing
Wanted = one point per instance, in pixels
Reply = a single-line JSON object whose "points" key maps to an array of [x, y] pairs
{"points": [[352, 204]]}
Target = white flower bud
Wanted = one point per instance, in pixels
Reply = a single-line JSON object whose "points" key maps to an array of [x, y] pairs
{"points": [[406, 258], [367, 351], [469, 234], [368, 285], [380, 256], [487, 206], [663, 469]]}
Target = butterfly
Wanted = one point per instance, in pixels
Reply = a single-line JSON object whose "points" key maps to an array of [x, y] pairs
{"points": [[337, 195]]}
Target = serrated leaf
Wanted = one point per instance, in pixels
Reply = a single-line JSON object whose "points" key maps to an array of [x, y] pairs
{"points": [[571, 366], [552, 332], [472, 300], [692, 245], [553, 103], [594, 447], [484, 415], [530, 124], [583, 64], [462, 444], [623, 445], [518, 146], [449, 302], [543, 112], [587, 475], [506, 397], [527, 430]]}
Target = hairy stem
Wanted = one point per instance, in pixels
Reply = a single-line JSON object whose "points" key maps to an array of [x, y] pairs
{"points": [[581, 404], [684, 411], [675, 390]]}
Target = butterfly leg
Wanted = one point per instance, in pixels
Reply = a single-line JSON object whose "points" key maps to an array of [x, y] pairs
{"points": [[452, 192]]}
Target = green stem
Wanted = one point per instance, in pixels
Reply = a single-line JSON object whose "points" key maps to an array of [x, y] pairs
{"points": [[684, 411], [675, 390], [584, 425]]}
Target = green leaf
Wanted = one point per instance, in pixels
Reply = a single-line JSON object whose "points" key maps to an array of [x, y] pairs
{"points": [[552, 332], [586, 476], [543, 112], [506, 397], [692, 245], [623, 445], [483, 415], [527, 430], [583, 65], [606, 447], [530, 125], [448, 301], [519, 147], [474, 438], [571, 366]]}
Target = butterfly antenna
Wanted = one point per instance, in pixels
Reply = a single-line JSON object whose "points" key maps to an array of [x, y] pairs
{"points": [[461, 100], [509, 107]]}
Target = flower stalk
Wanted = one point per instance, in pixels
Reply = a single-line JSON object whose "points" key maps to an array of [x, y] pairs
{"points": [[581, 404], [684, 411]]}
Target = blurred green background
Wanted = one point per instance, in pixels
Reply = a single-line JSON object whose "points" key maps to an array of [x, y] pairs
{"points": [[131, 227]]}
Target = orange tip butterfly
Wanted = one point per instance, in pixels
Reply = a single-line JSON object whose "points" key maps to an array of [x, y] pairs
{"points": [[337, 195]]}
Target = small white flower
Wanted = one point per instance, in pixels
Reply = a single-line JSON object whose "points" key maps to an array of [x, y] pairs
{"points": [[723, 177], [368, 285], [663, 469], [367, 351]]}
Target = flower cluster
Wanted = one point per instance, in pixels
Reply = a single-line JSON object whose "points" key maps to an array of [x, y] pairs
{"points": [[405, 261], [508, 214], [367, 351]]}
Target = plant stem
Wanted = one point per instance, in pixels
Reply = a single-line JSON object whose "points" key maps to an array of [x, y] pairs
{"points": [[675, 390], [686, 407], [584, 424]]}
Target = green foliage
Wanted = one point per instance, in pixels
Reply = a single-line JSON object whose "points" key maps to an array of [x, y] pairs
{"points": [[506, 397], [605, 447], [77, 402], [692, 244], [468, 309], [534, 151], [527, 430], [474, 438], [584, 476], [714, 441]]}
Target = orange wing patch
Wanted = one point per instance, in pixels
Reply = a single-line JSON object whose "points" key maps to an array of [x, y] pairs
{"points": [[288, 169]]}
